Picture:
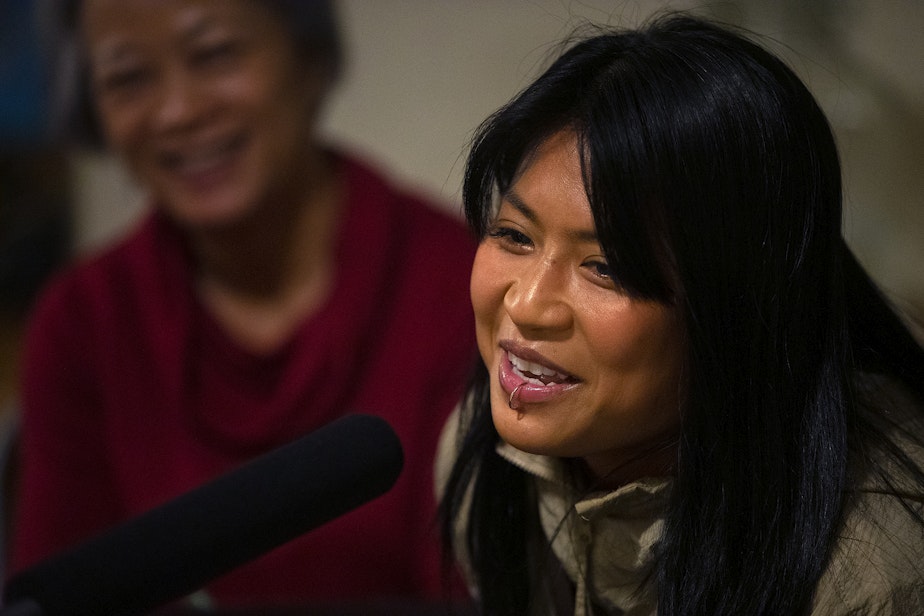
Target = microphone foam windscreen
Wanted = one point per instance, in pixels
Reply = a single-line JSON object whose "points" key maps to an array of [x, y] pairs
{"points": [[178, 547]]}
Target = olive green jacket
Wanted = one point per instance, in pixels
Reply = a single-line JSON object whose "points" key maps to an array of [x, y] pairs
{"points": [[605, 542]]}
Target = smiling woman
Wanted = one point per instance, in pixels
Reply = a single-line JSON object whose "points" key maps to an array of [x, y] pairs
{"points": [[166, 69], [275, 284], [692, 400], [584, 370]]}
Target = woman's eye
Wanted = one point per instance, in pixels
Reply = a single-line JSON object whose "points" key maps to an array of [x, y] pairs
{"points": [[216, 53], [601, 269], [123, 80], [510, 236]]}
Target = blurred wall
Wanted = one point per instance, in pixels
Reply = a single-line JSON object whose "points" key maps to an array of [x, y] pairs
{"points": [[422, 74]]}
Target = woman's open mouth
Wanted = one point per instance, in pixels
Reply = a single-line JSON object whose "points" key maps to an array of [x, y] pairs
{"points": [[528, 381], [204, 163], [534, 373]]}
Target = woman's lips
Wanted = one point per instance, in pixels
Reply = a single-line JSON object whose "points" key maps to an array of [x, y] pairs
{"points": [[533, 381], [205, 165]]}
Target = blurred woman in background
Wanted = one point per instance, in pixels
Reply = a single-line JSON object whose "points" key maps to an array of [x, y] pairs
{"points": [[275, 284]]}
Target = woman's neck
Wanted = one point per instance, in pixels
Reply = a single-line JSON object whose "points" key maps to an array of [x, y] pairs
{"points": [[656, 460], [261, 278]]}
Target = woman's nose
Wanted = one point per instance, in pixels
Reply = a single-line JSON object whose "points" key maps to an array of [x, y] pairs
{"points": [[537, 300], [180, 102]]}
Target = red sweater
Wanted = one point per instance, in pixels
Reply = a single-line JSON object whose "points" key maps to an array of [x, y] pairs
{"points": [[132, 394]]}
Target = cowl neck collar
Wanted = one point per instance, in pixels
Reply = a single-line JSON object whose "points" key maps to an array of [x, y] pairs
{"points": [[605, 540]]}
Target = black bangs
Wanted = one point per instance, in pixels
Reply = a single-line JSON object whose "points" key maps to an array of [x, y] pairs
{"points": [[624, 185], [500, 148], [577, 93], [507, 138]]}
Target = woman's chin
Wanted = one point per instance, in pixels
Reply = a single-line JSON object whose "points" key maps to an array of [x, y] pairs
{"points": [[202, 213], [524, 432]]}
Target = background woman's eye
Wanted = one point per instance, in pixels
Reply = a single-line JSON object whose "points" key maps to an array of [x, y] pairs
{"points": [[216, 52], [123, 80]]}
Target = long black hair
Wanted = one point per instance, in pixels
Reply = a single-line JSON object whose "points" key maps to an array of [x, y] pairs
{"points": [[715, 187]]}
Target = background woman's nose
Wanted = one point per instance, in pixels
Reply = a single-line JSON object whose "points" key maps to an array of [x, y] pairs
{"points": [[179, 100]]}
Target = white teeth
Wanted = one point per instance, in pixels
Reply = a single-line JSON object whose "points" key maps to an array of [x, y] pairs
{"points": [[522, 367]]}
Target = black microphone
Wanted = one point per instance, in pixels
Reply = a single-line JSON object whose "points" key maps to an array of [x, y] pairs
{"points": [[174, 549]]}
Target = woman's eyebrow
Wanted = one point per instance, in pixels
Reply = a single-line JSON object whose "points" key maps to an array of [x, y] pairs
{"points": [[111, 52], [117, 50], [580, 235], [519, 204], [197, 27]]}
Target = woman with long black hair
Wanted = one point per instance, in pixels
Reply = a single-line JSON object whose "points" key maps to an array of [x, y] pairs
{"points": [[693, 400]]}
